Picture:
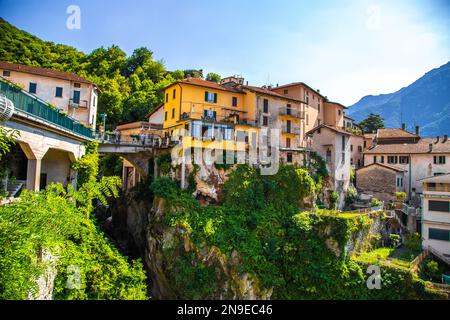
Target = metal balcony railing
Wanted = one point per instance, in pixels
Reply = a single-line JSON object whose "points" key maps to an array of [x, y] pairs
{"points": [[284, 111], [32, 105], [290, 130]]}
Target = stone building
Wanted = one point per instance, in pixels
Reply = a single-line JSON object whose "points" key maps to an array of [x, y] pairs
{"points": [[380, 180]]}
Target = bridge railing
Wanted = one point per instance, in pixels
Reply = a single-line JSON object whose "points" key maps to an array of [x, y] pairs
{"points": [[32, 105], [149, 141]]}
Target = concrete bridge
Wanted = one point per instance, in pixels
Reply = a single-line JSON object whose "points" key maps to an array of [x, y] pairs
{"points": [[49, 141]]}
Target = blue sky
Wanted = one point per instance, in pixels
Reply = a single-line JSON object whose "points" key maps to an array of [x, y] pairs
{"points": [[345, 48]]}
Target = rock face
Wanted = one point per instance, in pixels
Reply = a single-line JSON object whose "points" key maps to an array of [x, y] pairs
{"points": [[147, 231]]}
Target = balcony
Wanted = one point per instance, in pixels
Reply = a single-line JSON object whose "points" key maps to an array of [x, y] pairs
{"points": [[292, 113], [290, 130], [78, 104], [35, 107], [410, 211], [437, 187]]}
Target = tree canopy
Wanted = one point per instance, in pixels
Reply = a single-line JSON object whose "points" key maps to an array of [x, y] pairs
{"points": [[372, 123]]}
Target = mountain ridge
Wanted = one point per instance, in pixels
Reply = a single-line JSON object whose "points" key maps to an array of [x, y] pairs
{"points": [[425, 102]]}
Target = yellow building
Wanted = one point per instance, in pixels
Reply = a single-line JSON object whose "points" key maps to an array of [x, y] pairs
{"points": [[204, 114]]}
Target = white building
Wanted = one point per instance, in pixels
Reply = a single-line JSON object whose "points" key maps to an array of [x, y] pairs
{"points": [[436, 214], [72, 94], [419, 157]]}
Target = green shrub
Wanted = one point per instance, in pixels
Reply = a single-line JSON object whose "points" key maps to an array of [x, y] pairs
{"points": [[400, 196], [375, 202]]}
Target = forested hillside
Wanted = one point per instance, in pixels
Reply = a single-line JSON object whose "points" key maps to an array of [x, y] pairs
{"points": [[130, 84]]}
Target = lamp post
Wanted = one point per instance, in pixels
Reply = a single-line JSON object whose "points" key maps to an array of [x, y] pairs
{"points": [[103, 115]]}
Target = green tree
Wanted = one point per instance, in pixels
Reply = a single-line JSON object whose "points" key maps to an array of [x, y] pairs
{"points": [[213, 77], [372, 123]]}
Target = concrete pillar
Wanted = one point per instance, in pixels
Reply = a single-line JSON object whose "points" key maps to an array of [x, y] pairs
{"points": [[124, 176], [183, 171], [34, 174]]}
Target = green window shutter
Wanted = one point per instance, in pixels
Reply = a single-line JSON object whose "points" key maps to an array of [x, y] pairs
{"points": [[215, 97], [206, 96], [214, 114]]}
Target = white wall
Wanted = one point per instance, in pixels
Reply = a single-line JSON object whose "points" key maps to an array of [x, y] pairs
{"points": [[46, 90]]}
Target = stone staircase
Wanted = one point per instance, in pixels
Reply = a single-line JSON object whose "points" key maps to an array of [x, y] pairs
{"points": [[14, 187]]}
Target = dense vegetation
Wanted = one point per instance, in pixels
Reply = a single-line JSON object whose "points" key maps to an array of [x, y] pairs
{"points": [[131, 85], [56, 223], [284, 249]]}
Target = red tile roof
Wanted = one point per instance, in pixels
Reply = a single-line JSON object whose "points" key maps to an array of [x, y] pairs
{"points": [[268, 92], [383, 165], [335, 129], [422, 146], [207, 84], [388, 133], [43, 72], [299, 84]]}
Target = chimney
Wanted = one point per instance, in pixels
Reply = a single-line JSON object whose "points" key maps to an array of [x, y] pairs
{"points": [[403, 126], [431, 147], [437, 139], [445, 138], [277, 85], [417, 130]]}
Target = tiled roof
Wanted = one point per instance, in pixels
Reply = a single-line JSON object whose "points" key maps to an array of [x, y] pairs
{"points": [[394, 133], [43, 72], [268, 92], [299, 84], [207, 84], [139, 124], [383, 165], [369, 135], [335, 129], [422, 146]]}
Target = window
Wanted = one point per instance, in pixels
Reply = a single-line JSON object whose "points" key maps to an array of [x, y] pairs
{"points": [[174, 93], [94, 101], [6, 73], [234, 101], [359, 148], [374, 159], [339, 112], [307, 119], [343, 143], [365, 144], [307, 100], [286, 91], [382, 159], [439, 234], [76, 97], [165, 116], [288, 109], [343, 158], [351, 147], [77, 85], [399, 182], [266, 106], [265, 121], [210, 97], [318, 107], [59, 92], [403, 159], [288, 142], [439, 159], [392, 159], [289, 157], [167, 97], [441, 206], [173, 113], [33, 87]]}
